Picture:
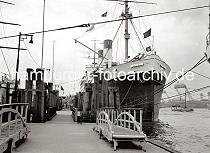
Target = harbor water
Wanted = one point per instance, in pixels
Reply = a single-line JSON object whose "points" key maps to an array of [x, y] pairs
{"points": [[187, 132]]}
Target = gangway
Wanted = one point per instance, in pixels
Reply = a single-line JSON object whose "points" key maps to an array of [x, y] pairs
{"points": [[13, 129], [120, 125]]}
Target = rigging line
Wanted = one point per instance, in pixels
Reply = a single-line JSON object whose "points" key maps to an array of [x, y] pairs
{"points": [[107, 29], [142, 36], [175, 80], [109, 25], [127, 93], [117, 32], [117, 47], [197, 64], [108, 21], [138, 37], [15, 24], [201, 75], [131, 1], [7, 2], [194, 91], [43, 33], [51, 30], [189, 92], [108, 49], [3, 26], [76, 41], [86, 33], [132, 48], [200, 98], [153, 14], [161, 84], [121, 40], [101, 61], [4, 33], [171, 82], [145, 27], [31, 55], [5, 61]]}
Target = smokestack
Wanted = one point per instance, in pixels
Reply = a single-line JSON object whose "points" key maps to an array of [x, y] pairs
{"points": [[107, 53]]}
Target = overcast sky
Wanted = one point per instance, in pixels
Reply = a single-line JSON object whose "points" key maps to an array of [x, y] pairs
{"points": [[179, 37]]}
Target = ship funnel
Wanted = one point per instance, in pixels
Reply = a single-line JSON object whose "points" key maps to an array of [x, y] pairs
{"points": [[107, 53], [107, 44]]}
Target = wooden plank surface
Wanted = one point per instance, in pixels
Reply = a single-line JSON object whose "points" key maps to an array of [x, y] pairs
{"points": [[121, 132]]}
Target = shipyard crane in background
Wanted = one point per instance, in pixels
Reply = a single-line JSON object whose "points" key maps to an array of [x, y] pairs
{"points": [[165, 92], [208, 95], [201, 96], [183, 86]]}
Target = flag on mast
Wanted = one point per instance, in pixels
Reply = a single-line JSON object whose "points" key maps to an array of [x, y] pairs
{"points": [[104, 14], [92, 26], [149, 49], [147, 33]]}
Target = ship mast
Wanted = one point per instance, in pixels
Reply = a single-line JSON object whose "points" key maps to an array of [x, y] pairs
{"points": [[127, 35], [209, 22]]}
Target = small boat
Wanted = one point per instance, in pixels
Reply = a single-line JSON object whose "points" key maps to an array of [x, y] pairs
{"points": [[181, 109]]}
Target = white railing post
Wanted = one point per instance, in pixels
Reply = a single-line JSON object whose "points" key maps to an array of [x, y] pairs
{"points": [[26, 113], [140, 120], [1, 123], [9, 122], [16, 121], [112, 116], [124, 118], [134, 128], [129, 123], [117, 113], [21, 112]]}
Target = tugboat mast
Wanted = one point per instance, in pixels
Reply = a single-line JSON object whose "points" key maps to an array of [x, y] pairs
{"points": [[127, 35]]}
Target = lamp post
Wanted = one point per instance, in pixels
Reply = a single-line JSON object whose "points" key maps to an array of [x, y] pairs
{"points": [[17, 64]]}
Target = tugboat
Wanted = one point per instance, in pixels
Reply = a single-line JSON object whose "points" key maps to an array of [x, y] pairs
{"points": [[135, 83], [181, 109]]}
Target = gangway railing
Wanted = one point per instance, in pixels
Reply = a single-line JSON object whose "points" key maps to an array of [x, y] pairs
{"points": [[113, 113], [122, 126], [13, 129]]}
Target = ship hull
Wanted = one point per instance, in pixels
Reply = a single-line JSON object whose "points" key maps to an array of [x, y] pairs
{"points": [[138, 84], [137, 94]]}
